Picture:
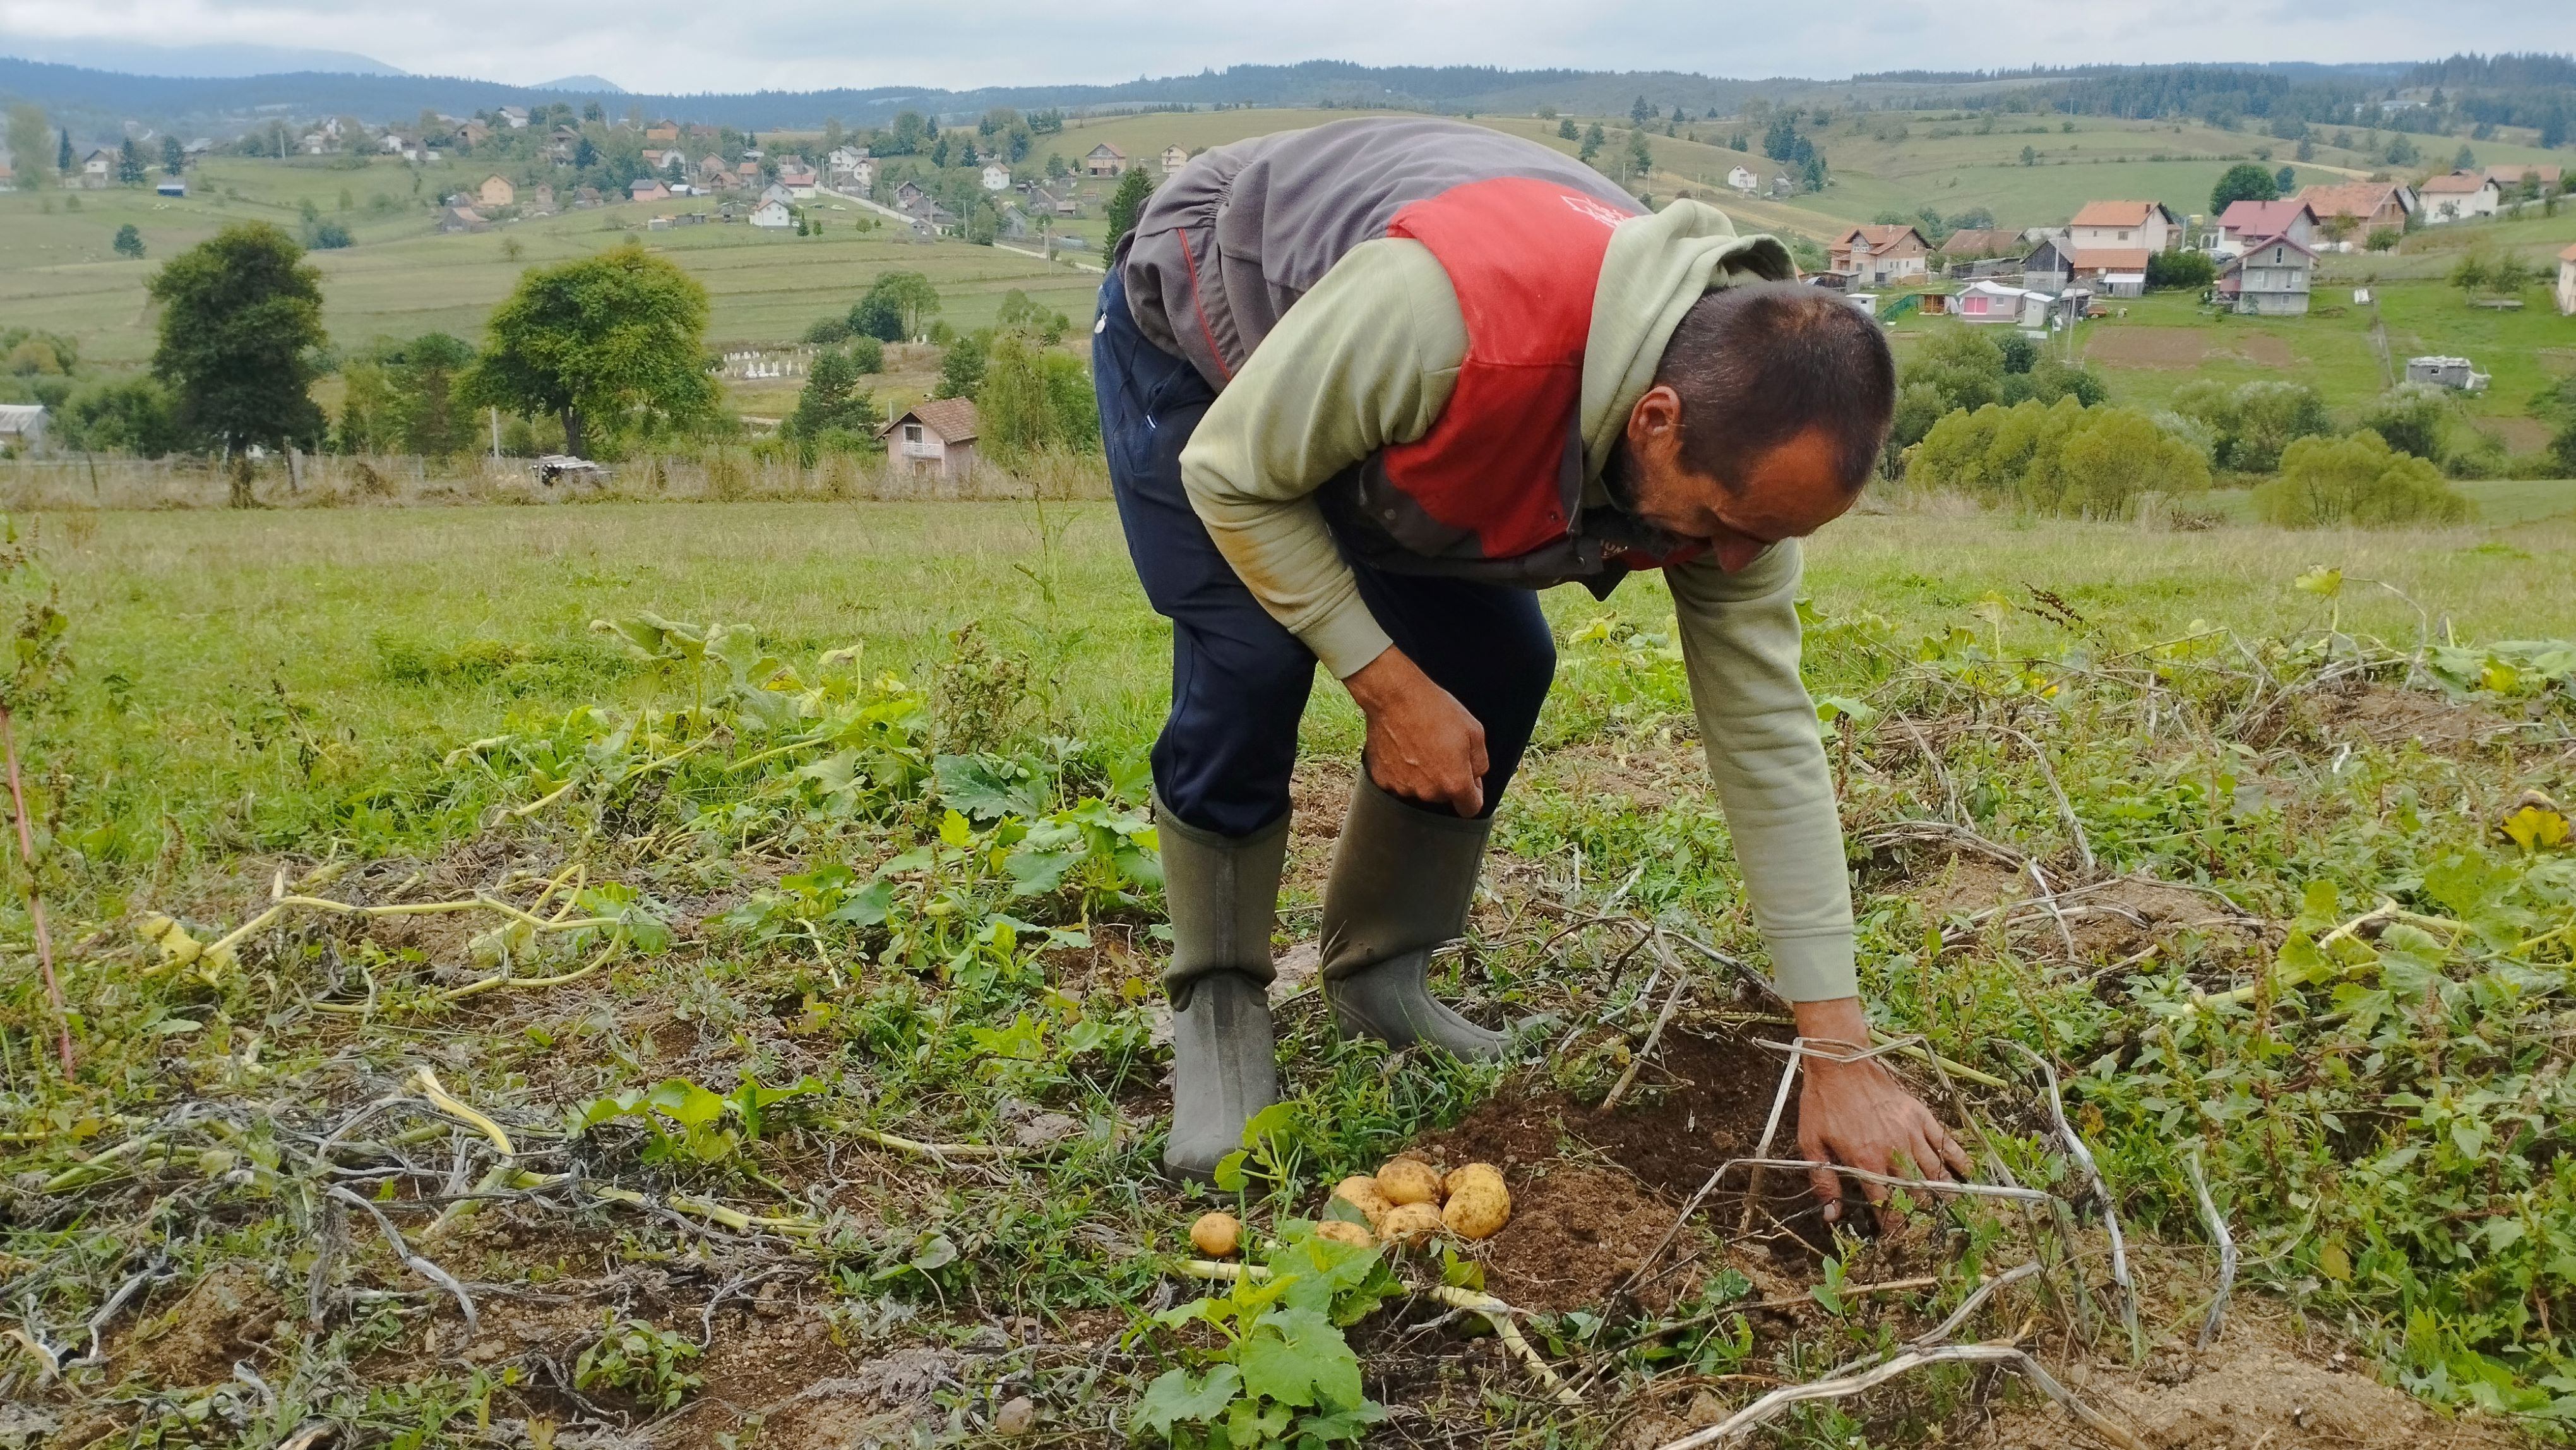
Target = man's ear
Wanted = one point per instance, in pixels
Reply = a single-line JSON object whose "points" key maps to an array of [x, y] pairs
{"points": [[1655, 423]]}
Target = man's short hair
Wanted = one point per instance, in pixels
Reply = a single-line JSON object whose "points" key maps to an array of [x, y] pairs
{"points": [[1759, 364]]}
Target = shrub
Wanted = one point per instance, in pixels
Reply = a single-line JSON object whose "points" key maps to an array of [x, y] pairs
{"points": [[2409, 418], [2180, 269], [2356, 480], [2058, 458], [2253, 422], [2562, 451], [827, 331]]}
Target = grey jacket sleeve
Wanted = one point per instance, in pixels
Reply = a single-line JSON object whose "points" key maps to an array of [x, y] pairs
{"points": [[1739, 635]]}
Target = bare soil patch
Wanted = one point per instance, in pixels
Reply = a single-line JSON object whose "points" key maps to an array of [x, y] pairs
{"points": [[2148, 347]]}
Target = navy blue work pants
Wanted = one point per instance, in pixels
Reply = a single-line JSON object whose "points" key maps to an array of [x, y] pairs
{"points": [[1239, 678]]}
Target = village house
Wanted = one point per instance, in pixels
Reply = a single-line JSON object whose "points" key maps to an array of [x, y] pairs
{"points": [[799, 180], [936, 439], [586, 196], [541, 200], [2459, 196], [2368, 205], [863, 175], [2269, 278], [2245, 223], [2567, 281], [777, 191], [1990, 301], [843, 158], [1743, 180], [1880, 254], [472, 133], [463, 219], [1104, 160], [1174, 157], [646, 188], [2049, 266], [2513, 178], [1969, 244], [515, 117], [773, 215], [496, 191], [997, 177], [2124, 225], [908, 196], [97, 169], [170, 186], [665, 131]]}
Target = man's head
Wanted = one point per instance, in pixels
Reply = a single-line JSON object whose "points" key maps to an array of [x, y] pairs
{"points": [[1765, 419]]}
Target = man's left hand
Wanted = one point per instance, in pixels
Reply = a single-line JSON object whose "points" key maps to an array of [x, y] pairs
{"points": [[1858, 1115]]}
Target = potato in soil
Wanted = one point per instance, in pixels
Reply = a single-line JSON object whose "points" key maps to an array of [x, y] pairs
{"points": [[1361, 1192], [1216, 1235], [1409, 1180], [1342, 1231], [1478, 1208], [1461, 1174], [1410, 1224]]}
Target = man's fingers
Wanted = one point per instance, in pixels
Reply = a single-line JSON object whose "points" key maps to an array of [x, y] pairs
{"points": [[1956, 1156], [1827, 1186]]}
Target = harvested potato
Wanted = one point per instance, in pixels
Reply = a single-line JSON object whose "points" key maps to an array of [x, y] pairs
{"points": [[1342, 1231], [1409, 1180], [1361, 1192], [1449, 1185], [1409, 1224], [1479, 1207], [1216, 1235]]}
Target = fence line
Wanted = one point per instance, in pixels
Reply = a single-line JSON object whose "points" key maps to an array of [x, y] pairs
{"points": [[404, 481]]}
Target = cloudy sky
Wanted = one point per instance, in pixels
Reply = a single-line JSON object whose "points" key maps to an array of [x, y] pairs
{"points": [[665, 45]]}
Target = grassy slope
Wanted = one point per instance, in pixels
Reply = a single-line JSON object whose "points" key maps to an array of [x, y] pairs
{"points": [[402, 278]]}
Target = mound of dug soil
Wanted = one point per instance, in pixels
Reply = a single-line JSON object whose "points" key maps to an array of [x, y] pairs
{"points": [[1593, 1193]]}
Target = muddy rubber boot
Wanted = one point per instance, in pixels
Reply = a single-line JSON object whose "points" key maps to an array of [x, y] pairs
{"points": [[1221, 893], [1402, 880]]}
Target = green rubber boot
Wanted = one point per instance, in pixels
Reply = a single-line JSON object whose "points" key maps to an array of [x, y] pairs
{"points": [[1402, 880], [1221, 893]]}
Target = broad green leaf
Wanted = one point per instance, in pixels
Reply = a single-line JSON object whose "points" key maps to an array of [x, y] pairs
{"points": [[1177, 1396], [1298, 1357]]}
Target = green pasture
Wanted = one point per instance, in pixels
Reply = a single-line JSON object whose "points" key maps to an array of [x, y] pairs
{"points": [[403, 278], [237, 669]]}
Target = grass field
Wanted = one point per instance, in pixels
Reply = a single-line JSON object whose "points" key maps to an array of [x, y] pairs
{"points": [[402, 278], [304, 626], [806, 1084]]}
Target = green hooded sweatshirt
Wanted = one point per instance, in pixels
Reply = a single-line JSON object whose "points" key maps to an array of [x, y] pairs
{"points": [[1367, 359]]}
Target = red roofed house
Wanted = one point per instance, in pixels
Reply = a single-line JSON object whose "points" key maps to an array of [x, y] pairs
{"points": [[2370, 204], [2458, 196], [936, 438], [2269, 278], [2567, 281], [2512, 178], [2125, 225], [1880, 254], [2245, 223]]}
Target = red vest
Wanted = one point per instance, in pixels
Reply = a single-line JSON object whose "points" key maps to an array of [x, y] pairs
{"points": [[1500, 475]]}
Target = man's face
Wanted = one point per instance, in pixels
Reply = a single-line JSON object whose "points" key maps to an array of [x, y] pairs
{"points": [[1787, 493]]}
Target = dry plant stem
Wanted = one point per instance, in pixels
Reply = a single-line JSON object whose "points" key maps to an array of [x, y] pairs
{"points": [[1883, 1180], [412, 1261], [940, 1151], [1655, 1034], [2065, 808], [1968, 1306], [36, 900], [1493, 1311], [1770, 1130], [2083, 1157], [1769, 1407], [2226, 1250]]}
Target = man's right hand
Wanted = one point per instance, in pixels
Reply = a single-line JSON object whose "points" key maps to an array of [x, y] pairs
{"points": [[1422, 744]]}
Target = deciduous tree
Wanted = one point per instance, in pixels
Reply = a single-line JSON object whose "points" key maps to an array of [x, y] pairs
{"points": [[606, 344], [241, 322], [29, 134], [2244, 181]]}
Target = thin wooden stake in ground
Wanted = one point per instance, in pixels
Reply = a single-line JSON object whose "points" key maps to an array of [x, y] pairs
{"points": [[36, 897]]}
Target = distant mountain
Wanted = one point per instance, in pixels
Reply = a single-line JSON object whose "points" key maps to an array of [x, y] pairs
{"points": [[588, 85], [216, 61]]}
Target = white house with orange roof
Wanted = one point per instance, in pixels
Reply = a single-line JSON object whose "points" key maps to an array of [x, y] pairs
{"points": [[2460, 196], [2124, 225]]}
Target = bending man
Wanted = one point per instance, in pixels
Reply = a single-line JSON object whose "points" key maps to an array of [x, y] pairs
{"points": [[1365, 389]]}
